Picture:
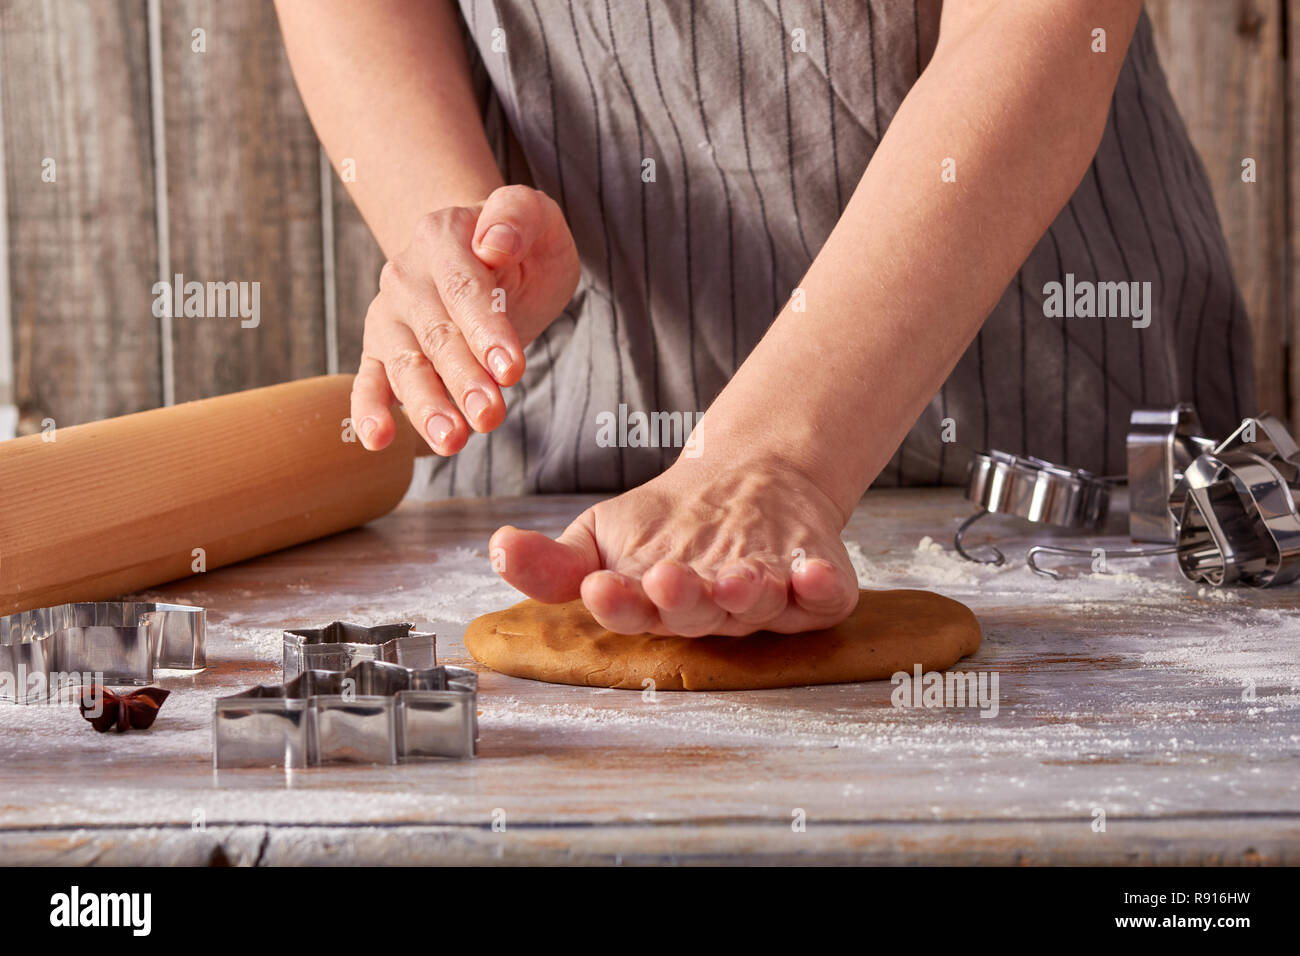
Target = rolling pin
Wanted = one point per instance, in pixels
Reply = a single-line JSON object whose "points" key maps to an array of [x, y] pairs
{"points": [[115, 506]]}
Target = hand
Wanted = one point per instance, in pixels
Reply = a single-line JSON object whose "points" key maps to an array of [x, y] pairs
{"points": [[436, 338], [697, 550]]}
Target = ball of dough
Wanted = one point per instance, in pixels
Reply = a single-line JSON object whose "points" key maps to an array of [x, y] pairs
{"points": [[889, 631]]}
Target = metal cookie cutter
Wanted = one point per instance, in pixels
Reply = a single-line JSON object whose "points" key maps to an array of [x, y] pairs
{"points": [[338, 645], [375, 712], [1236, 512], [118, 642], [1161, 444], [1033, 489]]}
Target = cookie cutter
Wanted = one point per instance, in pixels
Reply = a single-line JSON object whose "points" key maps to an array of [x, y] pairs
{"points": [[1033, 489], [1228, 510], [374, 712], [1236, 512], [109, 642], [1161, 444], [338, 645]]}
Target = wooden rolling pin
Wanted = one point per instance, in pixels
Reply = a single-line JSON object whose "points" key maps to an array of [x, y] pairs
{"points": [[119, 505]]}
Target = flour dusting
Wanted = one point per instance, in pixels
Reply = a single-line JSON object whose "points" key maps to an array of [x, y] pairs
{"points": [[932, 566], [458, 586]]}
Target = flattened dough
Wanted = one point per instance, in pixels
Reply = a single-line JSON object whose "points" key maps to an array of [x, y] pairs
{"points": [[889, 631]]}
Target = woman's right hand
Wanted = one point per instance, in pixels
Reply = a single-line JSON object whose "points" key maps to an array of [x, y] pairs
{"points": [[454, 312]]}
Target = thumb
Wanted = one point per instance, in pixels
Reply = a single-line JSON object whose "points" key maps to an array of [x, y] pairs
{"points": [[547, 571], [508, 225]]}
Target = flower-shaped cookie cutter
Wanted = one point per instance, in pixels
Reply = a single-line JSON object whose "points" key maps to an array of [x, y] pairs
{"points": [[110, 642], [375, 712], [1033, 489], [1235, 509], [339, 645]]}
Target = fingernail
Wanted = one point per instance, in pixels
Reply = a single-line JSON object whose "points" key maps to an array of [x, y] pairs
{"points": [[499, 362], [476, 403], [500, 238], [438, 427], [367, 428]]}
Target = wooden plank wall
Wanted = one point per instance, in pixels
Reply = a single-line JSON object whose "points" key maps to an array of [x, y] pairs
{"points": [[242, 201], [1224, 62], [244, 197], [74, 81], [243, 188]]}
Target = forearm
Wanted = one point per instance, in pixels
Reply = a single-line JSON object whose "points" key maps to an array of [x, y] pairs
{"points": [[387, 84], [1017, 100]]}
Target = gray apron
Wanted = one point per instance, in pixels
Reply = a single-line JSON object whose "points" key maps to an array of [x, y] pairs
{"points": [[702, 151]]}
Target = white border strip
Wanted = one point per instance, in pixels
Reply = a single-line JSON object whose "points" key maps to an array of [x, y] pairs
{"points": [[161, 214], [330, 285]]}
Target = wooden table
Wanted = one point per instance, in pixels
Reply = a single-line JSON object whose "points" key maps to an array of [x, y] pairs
{"points": [[1127, 694]]}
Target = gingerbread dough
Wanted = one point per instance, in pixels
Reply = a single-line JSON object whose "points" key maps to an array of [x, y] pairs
{"points": [[889, 631]]}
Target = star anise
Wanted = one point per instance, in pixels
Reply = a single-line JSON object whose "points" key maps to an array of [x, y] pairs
{"points": [[106, 710]]}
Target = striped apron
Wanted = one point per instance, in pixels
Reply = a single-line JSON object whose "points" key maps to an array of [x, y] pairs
{"points": [[702, 151]]}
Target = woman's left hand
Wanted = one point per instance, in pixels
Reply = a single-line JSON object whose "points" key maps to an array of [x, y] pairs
{"points": [[697, 550]]}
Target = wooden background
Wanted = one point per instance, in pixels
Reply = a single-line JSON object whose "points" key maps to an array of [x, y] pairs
{"points": [[173, 161]]}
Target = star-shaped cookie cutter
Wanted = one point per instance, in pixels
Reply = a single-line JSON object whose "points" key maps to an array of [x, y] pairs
{"points": [[113, 642], [375, 712], [339, 645]]}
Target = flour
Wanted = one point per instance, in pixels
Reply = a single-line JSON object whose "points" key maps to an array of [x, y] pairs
{"points": [[1215, 634], [931, 566], [1149, 695], [1254, 650], [460, 586], [929, 562]]}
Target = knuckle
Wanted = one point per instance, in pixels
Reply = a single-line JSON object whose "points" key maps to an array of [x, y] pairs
{"points": [[391, 276], [434, 336], [460, 289], [461, 219], [526, 199], [430, 226], [364, 381], [511, 191], [403, 362]]}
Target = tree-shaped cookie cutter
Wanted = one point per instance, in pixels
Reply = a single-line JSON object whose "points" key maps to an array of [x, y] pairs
{"points": [[374, 712], [339, 645], [113, 642], [1235, 509]]}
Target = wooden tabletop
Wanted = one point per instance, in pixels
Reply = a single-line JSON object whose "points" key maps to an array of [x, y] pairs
{"points": [[1168, 712]]}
